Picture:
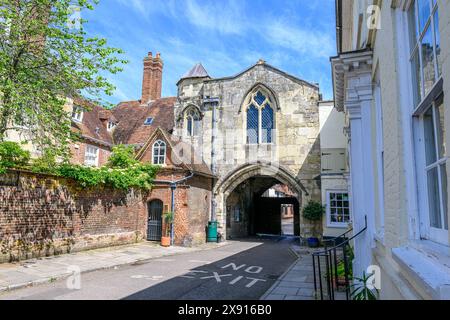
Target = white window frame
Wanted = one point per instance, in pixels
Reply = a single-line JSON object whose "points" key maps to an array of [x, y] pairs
{"points": [[328, 209], [427, 232], [77, 113], [89, 162], [429, 25], [147, 122], [157, 145]]}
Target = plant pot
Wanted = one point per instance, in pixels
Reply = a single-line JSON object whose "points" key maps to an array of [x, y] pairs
{"points": [[165, 241], [313, 242]]}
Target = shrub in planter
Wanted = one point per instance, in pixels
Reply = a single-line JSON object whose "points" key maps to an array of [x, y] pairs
{"points": [[313, 212], [168, 220]]}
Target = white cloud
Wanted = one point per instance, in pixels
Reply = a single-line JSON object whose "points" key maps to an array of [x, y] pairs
{"points": [[308, 42], [147, 8], [225, 17]]}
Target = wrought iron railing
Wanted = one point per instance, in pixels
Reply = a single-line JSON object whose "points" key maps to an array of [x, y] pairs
{"points": [[332, 258]]}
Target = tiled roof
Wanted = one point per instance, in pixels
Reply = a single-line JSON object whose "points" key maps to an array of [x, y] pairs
{"points": [[132, 115], [91, 125]]}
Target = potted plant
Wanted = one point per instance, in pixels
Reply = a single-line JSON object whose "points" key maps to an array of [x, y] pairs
{"points": [[362, 289], [168, 220], [313, 212]]}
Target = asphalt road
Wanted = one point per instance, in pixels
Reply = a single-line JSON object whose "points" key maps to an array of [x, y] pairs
{"points": [[242, 270]]}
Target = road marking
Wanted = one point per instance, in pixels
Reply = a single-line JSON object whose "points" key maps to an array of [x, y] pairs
{"points": [[191, 274], [250, 269], [254, 280], [217, 276], [233, 265], [236, 280]]}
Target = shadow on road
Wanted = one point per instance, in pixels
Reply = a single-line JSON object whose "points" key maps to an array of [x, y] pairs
{"points": [[243, 276]]}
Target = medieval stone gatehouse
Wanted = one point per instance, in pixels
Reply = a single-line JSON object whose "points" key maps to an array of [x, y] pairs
{"points": [[255, 130]]}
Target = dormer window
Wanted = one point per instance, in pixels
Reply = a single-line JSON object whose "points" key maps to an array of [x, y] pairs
{"points": [[77, 114], [148, 122], [111, 125]]}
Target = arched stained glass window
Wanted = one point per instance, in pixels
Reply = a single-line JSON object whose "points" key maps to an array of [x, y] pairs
{"points": [[267, 123], [260, 98], [260, 118], [192, 117], [252, 125], [159, 152]]}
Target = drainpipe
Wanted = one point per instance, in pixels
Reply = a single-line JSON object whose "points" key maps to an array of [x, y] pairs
{"points": [[173, 187], [213, 159], [214, 102]]}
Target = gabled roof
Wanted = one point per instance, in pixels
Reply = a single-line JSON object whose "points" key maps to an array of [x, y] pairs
{"points": [[131, 115], [197, 71], [180, 146], [272, 68]]}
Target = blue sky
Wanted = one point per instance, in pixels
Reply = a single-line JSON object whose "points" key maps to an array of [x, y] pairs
{"points": [[226, 36]]}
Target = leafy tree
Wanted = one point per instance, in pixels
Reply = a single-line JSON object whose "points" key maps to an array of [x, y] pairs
{"points": [[122, 157], [46, 57], [46, 163], [12, 156]]}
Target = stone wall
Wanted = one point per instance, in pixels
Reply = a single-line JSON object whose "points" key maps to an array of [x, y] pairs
{"points": [[296, 145], [44, 215]]}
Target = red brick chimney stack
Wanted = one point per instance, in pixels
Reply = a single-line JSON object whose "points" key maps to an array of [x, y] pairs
{"points": [[152, 79]]}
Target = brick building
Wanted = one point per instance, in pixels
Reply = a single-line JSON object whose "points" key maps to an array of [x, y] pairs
{"points": [[147, 125]]}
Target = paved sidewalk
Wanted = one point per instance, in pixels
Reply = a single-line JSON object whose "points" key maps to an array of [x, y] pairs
{"points": [[48, 269], [297, 283]]}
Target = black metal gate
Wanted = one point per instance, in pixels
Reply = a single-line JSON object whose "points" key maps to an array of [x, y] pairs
{"points": [[154, 229]]}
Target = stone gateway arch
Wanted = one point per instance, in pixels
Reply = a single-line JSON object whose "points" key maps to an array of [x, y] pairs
{"points": [[255, 130]]}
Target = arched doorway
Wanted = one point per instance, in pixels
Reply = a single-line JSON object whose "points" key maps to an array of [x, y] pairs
{"points": [[154, 225], [241, 209]]}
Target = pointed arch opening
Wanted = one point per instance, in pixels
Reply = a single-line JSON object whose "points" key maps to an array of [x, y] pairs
{"points": [[260, 106], [192, 118]]}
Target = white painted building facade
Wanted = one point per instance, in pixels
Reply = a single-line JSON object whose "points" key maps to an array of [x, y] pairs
{"points": [[334, 170], [392, 81]]}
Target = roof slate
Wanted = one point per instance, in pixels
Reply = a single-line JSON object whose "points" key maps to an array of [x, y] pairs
{"points": [[198, 71]]}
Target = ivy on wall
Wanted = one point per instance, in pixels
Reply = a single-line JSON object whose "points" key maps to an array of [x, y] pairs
{"points": [[122, 171]]}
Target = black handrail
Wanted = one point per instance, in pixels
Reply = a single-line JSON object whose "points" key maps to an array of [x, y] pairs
{"points": [[342, 236], [332, 260]]}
